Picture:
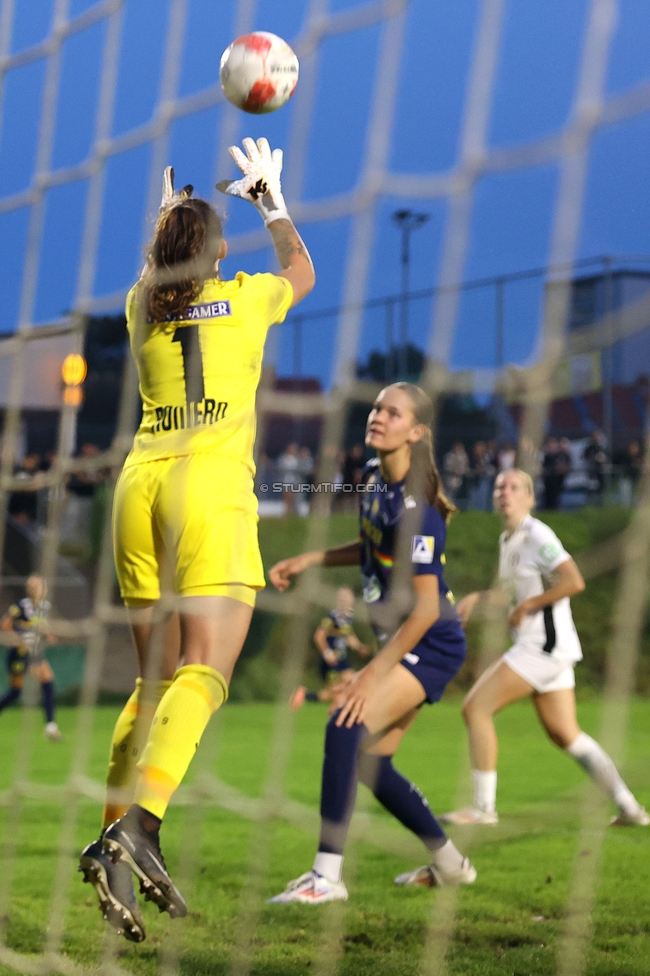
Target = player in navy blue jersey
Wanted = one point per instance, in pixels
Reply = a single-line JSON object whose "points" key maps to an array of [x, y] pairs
{"points": [[27, 622], [334, 637], [400, 552]]}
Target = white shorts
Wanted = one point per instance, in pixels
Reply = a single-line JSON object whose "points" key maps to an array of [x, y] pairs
{"points": [[543, 671]]}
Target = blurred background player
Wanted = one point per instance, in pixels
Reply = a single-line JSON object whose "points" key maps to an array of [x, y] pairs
{"points": [[537, 577], [27, 621], [401, 554], [185, 512], [333, 637]]}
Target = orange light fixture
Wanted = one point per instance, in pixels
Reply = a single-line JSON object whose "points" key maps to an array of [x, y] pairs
{"points": [[73, 396], [74, 369]]}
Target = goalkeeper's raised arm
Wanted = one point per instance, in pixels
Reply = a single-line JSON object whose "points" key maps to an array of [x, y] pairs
{"points": [[260, 185]]}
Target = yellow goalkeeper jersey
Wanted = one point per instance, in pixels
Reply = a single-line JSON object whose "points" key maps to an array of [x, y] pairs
{"points": [[199, 373]]}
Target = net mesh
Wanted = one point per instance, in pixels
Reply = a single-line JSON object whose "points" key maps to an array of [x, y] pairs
{"points": [[568, 149]]}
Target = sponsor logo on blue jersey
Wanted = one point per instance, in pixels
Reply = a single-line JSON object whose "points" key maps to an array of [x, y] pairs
{"points": [[371, 589], [422, 549]]}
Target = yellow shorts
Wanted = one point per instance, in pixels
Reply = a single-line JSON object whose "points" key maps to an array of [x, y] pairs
{"points": [[190, 522]]}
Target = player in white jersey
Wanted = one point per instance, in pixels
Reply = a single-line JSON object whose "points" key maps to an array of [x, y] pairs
{"points": [[537, 577]]}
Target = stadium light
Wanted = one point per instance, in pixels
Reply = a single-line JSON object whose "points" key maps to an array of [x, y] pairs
{"points": [[407, 221], [74, 369]]}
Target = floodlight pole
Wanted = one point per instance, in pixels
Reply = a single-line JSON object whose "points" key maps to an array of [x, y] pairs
{"points": [[407, 221]]}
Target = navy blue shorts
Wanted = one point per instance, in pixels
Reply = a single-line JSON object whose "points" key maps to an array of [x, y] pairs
{"points": [[333, 669], [17, 662], [435, 667]]}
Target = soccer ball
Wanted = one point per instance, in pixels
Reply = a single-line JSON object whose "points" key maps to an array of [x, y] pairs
{"points": [[258, 72]]}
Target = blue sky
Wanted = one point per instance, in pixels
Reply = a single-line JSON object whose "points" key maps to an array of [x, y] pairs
{"points": [[512, 213]]}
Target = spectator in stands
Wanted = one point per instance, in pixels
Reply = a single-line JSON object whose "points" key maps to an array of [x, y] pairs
{"points": [[351, 471], [483, 473], [353, 466], [456, 471], [23, 504], [83, 483], [556, 464], [493, 454], [47, 461], [330, 474], [331, 465], [289, 474], [507, 457], [288, 464], [340, 499], [631, 467], [264, 475], [529, 457], [305, 468], [80, 521], [565, 448], [596, 456]]}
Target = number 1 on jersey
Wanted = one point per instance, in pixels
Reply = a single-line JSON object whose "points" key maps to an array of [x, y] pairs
{"points": [[188, 336]]}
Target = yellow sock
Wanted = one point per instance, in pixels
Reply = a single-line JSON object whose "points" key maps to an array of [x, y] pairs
{"points": [[129, 736], [180, 720]]}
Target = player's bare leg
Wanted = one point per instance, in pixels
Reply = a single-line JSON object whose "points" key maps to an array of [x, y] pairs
{"points": [[557, 713], [497, 687], [42, 672], [298, 698], [392, 702], [157, 641], [390, 711], [326, 694], [302, 695]]}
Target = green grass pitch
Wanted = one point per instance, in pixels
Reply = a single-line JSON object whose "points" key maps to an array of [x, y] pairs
{"points": [[508, 924]]}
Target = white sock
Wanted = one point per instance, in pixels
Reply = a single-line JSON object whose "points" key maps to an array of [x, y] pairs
{"points": [[448, 857], [485, 790], [598, 765], [328, 866]]}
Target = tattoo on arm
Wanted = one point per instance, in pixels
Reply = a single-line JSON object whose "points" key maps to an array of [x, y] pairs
{"points": [[287, 242]]}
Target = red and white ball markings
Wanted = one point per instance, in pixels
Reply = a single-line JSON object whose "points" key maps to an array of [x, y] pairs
{"points": [[258, 72]]}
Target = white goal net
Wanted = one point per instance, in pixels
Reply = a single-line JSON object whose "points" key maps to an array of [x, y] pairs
{"points": [[97, 177]]}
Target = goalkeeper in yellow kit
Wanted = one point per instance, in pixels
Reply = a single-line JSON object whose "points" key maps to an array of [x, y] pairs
{"points": [[185, 515]]}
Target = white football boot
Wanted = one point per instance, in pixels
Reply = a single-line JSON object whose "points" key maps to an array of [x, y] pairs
{"points": [[53, 733], [311, 889], [434, 876], [631, 818], [469, 815]]}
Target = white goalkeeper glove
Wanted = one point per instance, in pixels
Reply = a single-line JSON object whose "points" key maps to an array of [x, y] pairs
{"points": [[260, 183], [169, 197]]}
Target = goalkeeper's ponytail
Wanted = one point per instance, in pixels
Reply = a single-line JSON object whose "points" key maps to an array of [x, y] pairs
{"points": [[182, 255], [423, 477]]}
